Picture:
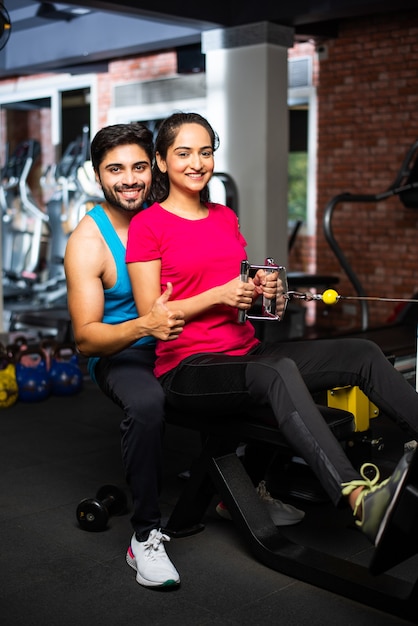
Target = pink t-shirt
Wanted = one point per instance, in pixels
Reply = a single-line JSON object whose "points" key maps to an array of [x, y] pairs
{"points": [[196, 255]]}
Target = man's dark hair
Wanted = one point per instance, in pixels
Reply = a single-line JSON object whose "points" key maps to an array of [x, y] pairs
{"points": [[111, 137]]}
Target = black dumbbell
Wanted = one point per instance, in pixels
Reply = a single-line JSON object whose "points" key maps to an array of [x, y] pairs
{"points": [[93, 513]]}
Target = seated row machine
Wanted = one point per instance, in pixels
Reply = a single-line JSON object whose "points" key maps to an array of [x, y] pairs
{"points": [[218, 470]]}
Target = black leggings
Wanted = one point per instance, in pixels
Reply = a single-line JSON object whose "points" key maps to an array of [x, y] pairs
{"points": [[283, 376], [127, 378]]}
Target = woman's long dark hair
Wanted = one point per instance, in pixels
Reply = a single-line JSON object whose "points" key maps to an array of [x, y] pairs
{"points": [[166, 136]]}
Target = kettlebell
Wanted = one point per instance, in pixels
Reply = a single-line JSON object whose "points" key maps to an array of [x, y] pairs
{"points": [[32, 375], [8, 385], [65, 374]]}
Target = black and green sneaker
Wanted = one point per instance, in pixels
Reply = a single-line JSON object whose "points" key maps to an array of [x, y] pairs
{"points": [[376, 500]]}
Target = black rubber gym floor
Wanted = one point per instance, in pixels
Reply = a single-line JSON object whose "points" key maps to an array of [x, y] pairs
{"points": [[56, 452]]}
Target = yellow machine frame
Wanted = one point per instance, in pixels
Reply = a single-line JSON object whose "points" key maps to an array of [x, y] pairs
{"points": [[352, 399]]}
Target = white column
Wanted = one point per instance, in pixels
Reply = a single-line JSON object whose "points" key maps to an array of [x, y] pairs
{"points": [[246, 73]]}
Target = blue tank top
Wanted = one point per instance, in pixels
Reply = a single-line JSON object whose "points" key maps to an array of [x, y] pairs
{"points": [[119, 305]]}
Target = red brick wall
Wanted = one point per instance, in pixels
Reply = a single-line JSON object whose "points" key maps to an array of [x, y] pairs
{"points": [[367, 120]]}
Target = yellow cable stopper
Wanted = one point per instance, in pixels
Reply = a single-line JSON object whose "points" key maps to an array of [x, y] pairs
{"points": [[330, 296]]}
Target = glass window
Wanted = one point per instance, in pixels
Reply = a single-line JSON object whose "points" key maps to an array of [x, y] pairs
{"points": [[298, 165]]}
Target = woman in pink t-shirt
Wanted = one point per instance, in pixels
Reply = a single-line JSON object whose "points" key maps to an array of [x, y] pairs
{"points": [[217, 365]]}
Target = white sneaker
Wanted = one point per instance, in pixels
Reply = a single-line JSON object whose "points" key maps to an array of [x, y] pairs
{"points": [[281, 513], [150, 561]]}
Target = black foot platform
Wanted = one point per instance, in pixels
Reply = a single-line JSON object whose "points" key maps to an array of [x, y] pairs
{"points": [[398, 537], [217, 472]]}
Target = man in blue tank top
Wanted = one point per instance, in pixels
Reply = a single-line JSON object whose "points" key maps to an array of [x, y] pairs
{"points": [[119, 343]]}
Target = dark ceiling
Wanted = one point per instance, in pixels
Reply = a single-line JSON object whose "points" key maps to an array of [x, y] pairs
{"points": [[298, 13], [82, 35]]}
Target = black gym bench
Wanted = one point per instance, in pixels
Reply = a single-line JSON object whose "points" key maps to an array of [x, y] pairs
{"points": [[218, 470]]}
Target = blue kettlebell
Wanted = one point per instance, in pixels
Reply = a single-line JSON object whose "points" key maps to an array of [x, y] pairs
{"points": [[32, 375], [65, 374]]}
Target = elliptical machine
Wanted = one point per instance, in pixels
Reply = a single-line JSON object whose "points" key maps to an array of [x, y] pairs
{"points": [[24, 225]]}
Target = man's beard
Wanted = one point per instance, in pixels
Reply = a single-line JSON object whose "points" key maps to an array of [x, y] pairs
{"points": [[131, 206]]}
